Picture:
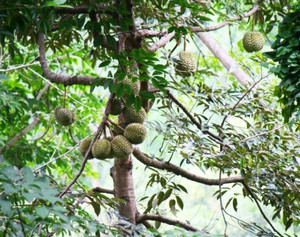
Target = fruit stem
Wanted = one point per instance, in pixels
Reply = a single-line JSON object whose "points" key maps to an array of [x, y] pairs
{"points": [[65, 95]]}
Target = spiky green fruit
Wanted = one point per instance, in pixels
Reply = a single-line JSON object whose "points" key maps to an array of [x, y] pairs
{"points": [[131, 116], [101, 149], [63, 116], [121, 147], [135, 133], [186, 64], [116, 107], [253, 41], [84, 145], [134, 86]]}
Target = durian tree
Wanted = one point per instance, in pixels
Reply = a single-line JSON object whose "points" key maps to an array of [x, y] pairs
{"points": [[174, 96]]}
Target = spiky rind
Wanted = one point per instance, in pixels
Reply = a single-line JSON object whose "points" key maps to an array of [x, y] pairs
{"points": [[121, 147], [135, 133], [84, 145], [101, 149], [116, 107], [131, 116], [64, 116], [135, 86], [253, 41], [186, 64]]}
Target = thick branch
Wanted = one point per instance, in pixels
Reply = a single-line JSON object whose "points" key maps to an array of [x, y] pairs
{"points": [[179, 171], [21, 133], [153, 217], [230, 64], [162, 42], [62, 79]]}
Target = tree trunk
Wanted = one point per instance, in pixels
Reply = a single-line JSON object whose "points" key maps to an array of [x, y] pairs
{"points": [[124, 189]]}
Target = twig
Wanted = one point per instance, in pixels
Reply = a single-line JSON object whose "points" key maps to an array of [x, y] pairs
{"points": [[35, 121], [19, 215], [262, 134], [237, 103], [61, 91], [260, 209], [36, 226], [182, 172], [194, 121], [153, 217], [18, 67], [56, 158], [221, 204], [224, 23]]}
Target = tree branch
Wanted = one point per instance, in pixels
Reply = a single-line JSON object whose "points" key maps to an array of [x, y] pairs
{"points": [[153, 217], [191, 117], [21, 133], [162, 42], [237, 103], [62, 79], [182, 172], [102, 190], [260, 209], [230, 64], [224, 23], [84, 9]]}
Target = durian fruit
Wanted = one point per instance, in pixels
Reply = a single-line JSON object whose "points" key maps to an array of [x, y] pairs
{"points": [[186, 64], [84, 145], [253, 41], [116, 107], [121, 147], [135, 86], [135, 133], [131, 116], [101, 149], [63, 116], [119, 131]]}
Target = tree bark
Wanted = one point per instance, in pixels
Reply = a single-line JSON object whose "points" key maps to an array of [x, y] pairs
{"points": [[124, 189], [230, 64]]}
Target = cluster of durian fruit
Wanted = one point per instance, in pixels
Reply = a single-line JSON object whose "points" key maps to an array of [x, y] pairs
{"points": [[131, 131]]}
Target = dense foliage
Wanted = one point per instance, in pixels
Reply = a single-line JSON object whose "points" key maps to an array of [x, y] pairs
{"points": [[198, 123], [287, 55]]}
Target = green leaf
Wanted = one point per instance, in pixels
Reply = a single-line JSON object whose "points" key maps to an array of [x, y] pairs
{"points": [[3, 77], [28, 175], [96, 207], [172, 204], [5, 206], [179, 202], [42, 212], [137, 104], [234, 204], [104, 63], [147, 95]]}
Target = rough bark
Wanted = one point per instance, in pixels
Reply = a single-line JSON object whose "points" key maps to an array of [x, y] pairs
{"points": [[124, 189]]}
